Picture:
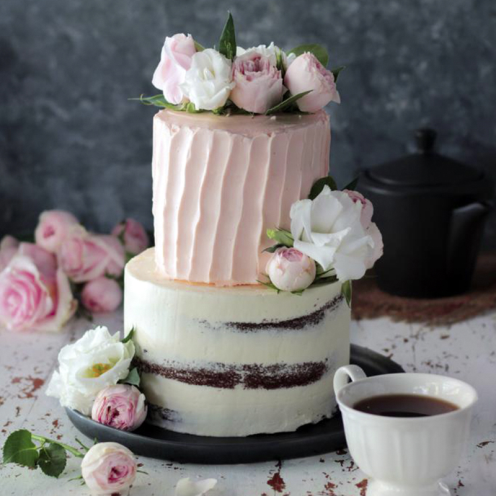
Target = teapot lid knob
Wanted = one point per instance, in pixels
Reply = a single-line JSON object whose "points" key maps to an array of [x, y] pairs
{"points": [[425, 138]]}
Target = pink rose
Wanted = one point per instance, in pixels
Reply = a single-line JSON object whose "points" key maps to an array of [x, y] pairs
{"points": [[108, 468], [121, 406], [307, 73], [367, 207], [8, 248], [290, 270], [34, 294], [101, 295], [52, 228], [133, 235], [84, 256], [174, 62], [258, 83]]}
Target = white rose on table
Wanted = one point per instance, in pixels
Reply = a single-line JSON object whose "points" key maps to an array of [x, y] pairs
{"points": [[208, 82], [87, 366], [329, 230]]}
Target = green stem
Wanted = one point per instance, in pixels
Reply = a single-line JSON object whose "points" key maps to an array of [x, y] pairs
{"points": [[70, 449]]}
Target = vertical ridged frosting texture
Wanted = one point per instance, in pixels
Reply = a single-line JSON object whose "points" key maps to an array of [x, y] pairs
{"points": [[219, 182]]}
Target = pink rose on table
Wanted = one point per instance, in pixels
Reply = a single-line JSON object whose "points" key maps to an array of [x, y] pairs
{"points": [[101, 295], [8, 248], [34, 293], [133, 234], [306, 73], [121, 406], [52, 228], [290, 270], [108, 468], [175, 61], [259, 84], [84, 256]]}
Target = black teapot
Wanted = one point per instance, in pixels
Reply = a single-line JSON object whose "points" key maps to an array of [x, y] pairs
{"points": [[431, 212]]}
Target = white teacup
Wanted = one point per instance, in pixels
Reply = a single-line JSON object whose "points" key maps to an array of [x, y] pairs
{"points": [[404, 456]]}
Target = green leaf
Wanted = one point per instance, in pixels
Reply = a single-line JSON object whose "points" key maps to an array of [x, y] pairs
{"points": [[282, 237], [227, 42], [132, 378], [157, 101], [190, 107], [346, 291], [336, 71], [270, 285], [318, 186], [19, 448], [52, 460], [128, 337], [352, 186], [272, 249], [199, 47], [319, 51], [285, 104]]}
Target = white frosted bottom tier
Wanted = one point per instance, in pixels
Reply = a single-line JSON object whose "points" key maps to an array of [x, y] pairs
{"points": [[234, 361]]}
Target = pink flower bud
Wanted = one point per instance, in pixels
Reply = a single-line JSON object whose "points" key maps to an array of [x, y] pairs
{"points": [[121, 406], [133, 235], [306, 73], [108, 468], [52, 228], [101, 295], [8, 248], [290, 270]]}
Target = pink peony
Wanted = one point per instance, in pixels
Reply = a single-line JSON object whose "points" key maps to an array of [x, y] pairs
{"points": [[290, 270], [101, 295], [133, 235], [121, 406], [34, 294], [306, 73], [8, 248], [258, 83], [84, 256], [108, 468], [52, 228], [174, 62]]}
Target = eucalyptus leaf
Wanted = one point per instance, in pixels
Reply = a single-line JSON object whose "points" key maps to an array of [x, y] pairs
{"points": [[282, 237], [53, 459], [336, 71], [319, 51], [19, 448], [157, 101], [128, 337], [227, 42], [352, 186], [346, 291], [318, 186], [285, 104], [132, 378]]}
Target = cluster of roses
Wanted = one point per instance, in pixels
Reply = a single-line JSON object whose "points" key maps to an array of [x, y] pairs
{"points": [[254, 80], [35, 278]]}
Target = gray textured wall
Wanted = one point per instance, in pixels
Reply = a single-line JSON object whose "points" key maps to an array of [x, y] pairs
{"points": [[70, 139]]}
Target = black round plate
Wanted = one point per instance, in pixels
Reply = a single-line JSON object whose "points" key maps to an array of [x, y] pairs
{"points": [[309, 440]]}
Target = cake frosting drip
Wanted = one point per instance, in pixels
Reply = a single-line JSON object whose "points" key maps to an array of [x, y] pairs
{"points": [[218, 184]]}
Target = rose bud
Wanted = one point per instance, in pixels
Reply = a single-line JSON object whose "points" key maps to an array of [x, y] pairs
{"points": [[121, 406], [101, 295], [133, 235], [53, 227], [290, 270], [306, 73], [108, 468], [8, 248]]}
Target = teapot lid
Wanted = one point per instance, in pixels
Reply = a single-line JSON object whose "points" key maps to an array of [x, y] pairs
{"points": [[424, 168]]}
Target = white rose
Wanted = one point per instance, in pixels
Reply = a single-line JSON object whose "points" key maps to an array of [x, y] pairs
{"points": [[328, 229], [208, 82], [95, 361], [186, 487]]}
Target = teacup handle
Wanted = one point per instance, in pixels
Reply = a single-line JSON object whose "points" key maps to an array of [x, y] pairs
{"points": [[343, 374]]}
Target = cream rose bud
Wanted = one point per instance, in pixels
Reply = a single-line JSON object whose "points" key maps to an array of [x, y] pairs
{"points": [[290, 270], [306, 73], [121, 406], [101, 295], [175, 60], [108, 468], [8, 248], [133, 235], [53, 226], [208, 82], [258, 83]]}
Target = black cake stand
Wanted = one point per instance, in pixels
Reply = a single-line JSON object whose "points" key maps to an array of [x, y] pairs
{"points": [[309, 440]]}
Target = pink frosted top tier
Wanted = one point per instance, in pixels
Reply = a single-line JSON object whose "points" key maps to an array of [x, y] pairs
{"points": [[219, 182]]}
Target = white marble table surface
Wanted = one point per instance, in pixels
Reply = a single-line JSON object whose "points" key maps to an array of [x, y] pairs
{"points": [[466, 351]]}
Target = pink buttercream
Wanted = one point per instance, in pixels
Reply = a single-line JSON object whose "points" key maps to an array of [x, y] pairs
{"points": [[220, 182]]}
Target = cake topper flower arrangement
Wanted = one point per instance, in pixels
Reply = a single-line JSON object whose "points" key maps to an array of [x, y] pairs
{"points": [[332, 238], [230, 79]]}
